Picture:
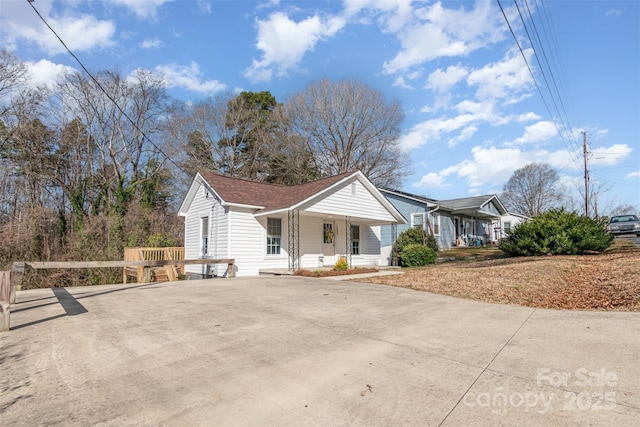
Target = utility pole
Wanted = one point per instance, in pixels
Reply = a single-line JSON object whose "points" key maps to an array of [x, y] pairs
{"points": [[586, 175]]}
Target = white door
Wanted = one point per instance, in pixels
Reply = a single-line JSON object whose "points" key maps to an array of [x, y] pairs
{"points": [[329, 243]]}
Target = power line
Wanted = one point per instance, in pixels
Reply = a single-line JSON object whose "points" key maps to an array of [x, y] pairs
{"points": [[544, 100], [144, 135], [560, 108]]}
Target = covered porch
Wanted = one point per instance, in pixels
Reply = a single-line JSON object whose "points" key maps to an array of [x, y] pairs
{"points": [[317, 240], [474, 227]]}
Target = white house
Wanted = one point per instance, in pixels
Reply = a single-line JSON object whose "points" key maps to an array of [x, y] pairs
{"points": [[266, 226], [506, 224]]}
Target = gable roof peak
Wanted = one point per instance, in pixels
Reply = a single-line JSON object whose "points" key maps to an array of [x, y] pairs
{"points": [[267, 196]]}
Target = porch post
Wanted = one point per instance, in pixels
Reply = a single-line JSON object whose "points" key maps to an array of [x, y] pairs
{"points": [[347, 233], [394, 237], [293, 227]]}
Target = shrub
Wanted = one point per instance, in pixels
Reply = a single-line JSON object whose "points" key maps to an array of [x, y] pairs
{"points": [[416, 255], [341, 264], [557, 232], [414, 236], [160, 240], [411, 236], [432, 243]]}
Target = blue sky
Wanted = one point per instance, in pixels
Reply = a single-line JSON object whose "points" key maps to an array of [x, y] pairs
{"points": [[473, 113]]}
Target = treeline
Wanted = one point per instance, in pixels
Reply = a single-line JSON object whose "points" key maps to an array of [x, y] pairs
{"points": [[97, 163]]}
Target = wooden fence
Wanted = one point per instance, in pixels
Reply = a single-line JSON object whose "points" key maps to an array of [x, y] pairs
{"points": [[5, 300], [171, 271]]}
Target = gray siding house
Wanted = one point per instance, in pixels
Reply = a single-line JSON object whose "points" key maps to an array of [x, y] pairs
{"points": [[454, 222]]}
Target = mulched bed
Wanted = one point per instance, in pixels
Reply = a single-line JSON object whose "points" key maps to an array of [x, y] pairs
{"points": [[328, 273]]}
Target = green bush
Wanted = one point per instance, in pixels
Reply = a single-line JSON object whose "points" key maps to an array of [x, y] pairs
{"points": [[416, 255], [415, 236], [412, 236], [557, 232], [432, 243]]}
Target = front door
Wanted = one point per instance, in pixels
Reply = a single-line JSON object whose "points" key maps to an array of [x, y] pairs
{"points": [[329, 243]]}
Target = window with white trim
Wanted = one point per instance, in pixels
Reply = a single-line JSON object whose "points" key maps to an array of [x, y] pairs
{"points": [[274, 236], [435, 221], [355, 240], [507, 227], [204, 235], [417, 220]]}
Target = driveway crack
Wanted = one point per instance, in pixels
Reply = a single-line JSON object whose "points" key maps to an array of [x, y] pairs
{"points": [[487, 367]]}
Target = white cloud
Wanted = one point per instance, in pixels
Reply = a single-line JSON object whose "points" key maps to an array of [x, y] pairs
{"points": [[633, 175], [80, 32], [431, 130], [284, 42], [204, 7], [401, 83], [490, 165], [431, 180], [527, 117], [45, 73], [470, 115], [440, 32], [151, 44], [466, 134], [503, 79], [541, 131], [188, 77], [142, 8], [392, 15], [609, 156], [613, 12], [441, 81]]}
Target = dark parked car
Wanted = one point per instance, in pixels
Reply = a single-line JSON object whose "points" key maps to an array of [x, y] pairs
{"points": [[624, 224]]}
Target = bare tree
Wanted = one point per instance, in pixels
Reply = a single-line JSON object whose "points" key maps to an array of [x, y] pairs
{"points": [[532, 190], [228, 134], [112, 143], [13, 78], [347, 125]]}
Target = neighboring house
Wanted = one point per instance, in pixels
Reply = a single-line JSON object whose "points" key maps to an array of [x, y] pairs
{"points": [[473, 219], [506, 223], [266, 226], [454, 222]]}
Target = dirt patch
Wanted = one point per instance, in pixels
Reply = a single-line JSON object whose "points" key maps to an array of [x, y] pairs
{"points": [[609, 281]]}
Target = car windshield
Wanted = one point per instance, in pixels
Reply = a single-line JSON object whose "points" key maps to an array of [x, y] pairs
{"points": [[624, 218]]}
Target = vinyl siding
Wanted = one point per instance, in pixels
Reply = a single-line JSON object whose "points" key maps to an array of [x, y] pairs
{"points": [[219, 238], [406, 207], [342, 202], [311, 238], [200, 207], [491, 207], [274, 261], [248, 243], [447, 231], [369, 247]]}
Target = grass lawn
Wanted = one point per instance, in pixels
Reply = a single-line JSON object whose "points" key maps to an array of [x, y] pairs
{"points": [[609, 281]]}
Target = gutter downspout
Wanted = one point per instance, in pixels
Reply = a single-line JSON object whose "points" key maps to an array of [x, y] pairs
{"points": [[429, 221]]}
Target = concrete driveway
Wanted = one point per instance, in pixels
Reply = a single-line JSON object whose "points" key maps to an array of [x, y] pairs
{"points": [[297, 351]]}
